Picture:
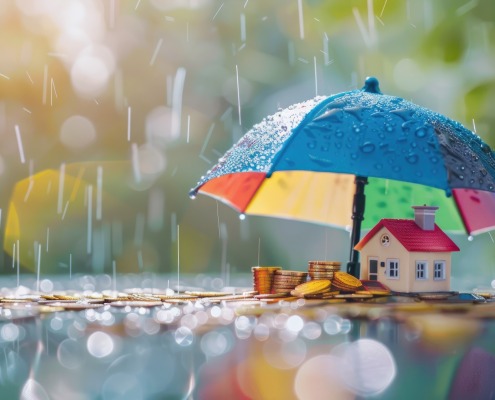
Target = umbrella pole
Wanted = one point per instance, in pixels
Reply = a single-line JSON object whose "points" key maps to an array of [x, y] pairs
{"points": [[357, 216]]}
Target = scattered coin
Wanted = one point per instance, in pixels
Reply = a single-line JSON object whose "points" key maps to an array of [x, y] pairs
{"points": [[271, 295], [313, 286], [346, 282], [131, 303]]}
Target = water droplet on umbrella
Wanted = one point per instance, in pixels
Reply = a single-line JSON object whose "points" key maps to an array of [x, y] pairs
{"points": [[354, 156], [490, 187], [420, 132], [470, 238], [389, 128], [412, 158], [379, 166], [485, 148], [434, 160], [192, 196], [356, 129], [339, 133], [311, 145], [242, 216], [368, 147], [461, 177], [483, 172]]}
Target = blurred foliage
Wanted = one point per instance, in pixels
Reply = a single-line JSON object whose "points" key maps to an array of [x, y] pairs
{"points": [[110, 60]]}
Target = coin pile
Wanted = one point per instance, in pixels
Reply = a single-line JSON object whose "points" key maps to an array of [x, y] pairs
{"points": [[313, 287], [284, 280], [346, 282], [263, 278], [323, 269]]}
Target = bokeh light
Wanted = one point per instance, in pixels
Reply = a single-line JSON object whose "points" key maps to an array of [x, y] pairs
{"points": [[367, 367], [100, 344]]}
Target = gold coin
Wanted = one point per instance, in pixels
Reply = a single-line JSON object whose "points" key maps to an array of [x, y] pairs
{"points": [[257, 268], [226, 298], [323, 275], [139, 297], [323, 269], [271, 295], [6, 300], [324, 295], [185, 297], [324, 263], [353, 296], [311, 287], [290, 273], [65, 297], [281, 291], [347, 279], [288, 281], [48, 297]]}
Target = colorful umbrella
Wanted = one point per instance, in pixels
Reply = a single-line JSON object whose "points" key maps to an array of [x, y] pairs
{"points": [[56, 211], [312, 161]]}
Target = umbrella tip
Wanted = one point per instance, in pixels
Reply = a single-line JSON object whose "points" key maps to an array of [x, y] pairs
{"points": [[371, 85]]}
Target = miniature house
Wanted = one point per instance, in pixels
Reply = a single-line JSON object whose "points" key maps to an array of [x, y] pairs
{"points": [[408, 255]]}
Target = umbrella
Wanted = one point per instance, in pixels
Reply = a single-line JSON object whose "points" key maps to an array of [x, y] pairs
{"points": [[58, 211], [321, 152]]}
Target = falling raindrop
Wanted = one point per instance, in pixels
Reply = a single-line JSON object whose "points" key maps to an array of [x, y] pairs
{"points": [[242, 216]]}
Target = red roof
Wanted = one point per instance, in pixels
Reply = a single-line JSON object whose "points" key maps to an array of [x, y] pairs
{"points": [[412, 237]]}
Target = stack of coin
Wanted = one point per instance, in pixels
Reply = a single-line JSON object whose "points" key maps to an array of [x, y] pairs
{"points": [[284, 281], [323, 269], [315, 286], [346, 282], [263, 278]]}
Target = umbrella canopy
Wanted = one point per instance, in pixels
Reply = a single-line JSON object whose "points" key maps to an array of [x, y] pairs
{"points": [[58, 210], [307, 149]]}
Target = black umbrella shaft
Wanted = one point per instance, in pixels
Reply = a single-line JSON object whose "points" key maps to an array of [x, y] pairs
{"points": [[357, 216]]}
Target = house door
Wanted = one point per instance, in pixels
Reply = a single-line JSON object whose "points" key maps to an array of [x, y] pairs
{"points": [[373, 269]]}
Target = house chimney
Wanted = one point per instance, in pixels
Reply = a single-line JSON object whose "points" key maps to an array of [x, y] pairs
{"points": [[424, 216]]}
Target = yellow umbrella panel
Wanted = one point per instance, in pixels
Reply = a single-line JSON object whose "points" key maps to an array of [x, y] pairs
{"points": [[326, 198], [56, 210]]}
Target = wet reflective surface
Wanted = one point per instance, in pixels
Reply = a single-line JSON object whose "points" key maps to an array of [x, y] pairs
{"points": [[391, 348]]}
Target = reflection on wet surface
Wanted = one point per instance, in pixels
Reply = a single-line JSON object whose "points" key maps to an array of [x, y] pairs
{"points": [[244, 348]]}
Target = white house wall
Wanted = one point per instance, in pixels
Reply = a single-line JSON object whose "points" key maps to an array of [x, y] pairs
{"points": [[406, 281], [429, 284]]}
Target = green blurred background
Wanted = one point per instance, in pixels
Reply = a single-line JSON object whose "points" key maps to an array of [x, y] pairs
{"points": [[128, 103]]}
